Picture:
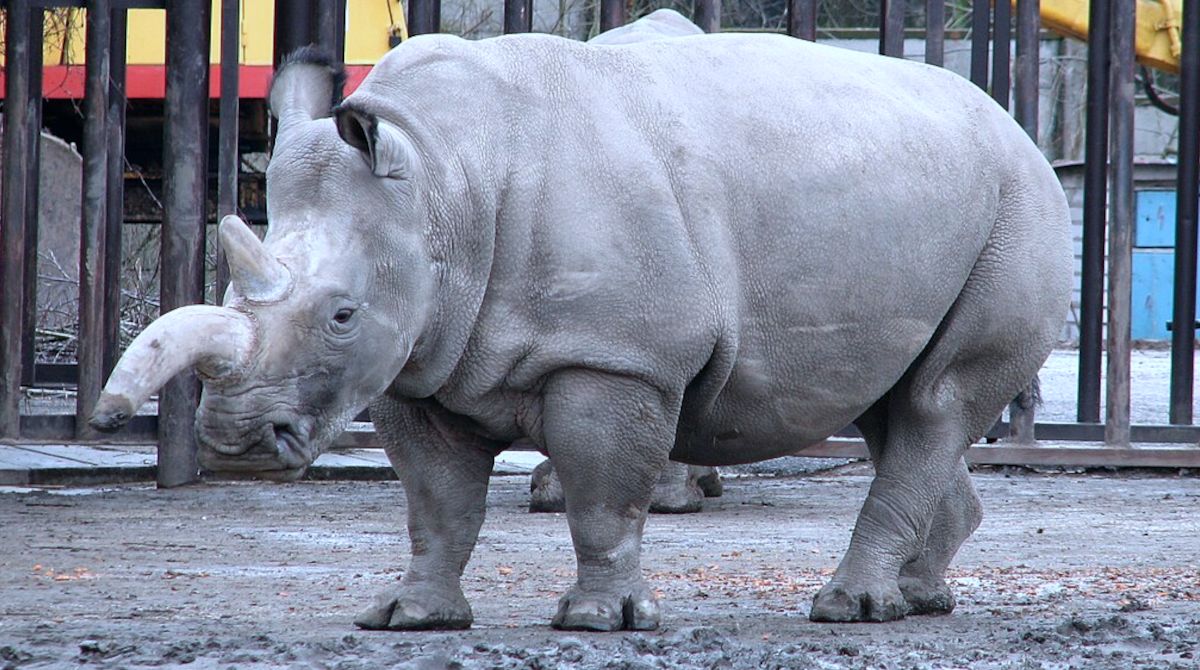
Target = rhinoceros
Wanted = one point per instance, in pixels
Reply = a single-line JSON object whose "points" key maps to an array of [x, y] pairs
{"points": [[714, 249]]}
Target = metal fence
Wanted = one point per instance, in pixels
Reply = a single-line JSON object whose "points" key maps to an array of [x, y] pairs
{"points": [[1108, 203]]}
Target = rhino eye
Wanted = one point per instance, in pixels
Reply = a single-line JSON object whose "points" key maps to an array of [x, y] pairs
{"points": [[343, 315]]}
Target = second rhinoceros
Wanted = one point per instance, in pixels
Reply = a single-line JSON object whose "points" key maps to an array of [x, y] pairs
{"points": [[715, 249]]}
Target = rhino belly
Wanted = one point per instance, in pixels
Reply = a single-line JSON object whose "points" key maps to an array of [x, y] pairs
{"points": [[790, 391]]}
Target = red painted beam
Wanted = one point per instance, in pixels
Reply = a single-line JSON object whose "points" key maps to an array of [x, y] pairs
{"points": [[148, 82]]}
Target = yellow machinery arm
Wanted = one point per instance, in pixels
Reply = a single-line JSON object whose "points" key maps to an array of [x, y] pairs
{"points": [[1158, 32]]}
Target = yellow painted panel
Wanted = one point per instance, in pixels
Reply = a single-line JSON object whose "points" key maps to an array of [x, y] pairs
{"points": [[1158, 27], [368, 26]]}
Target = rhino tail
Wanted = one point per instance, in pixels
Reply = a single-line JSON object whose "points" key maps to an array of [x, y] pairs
{"points": [[1031, 396]]}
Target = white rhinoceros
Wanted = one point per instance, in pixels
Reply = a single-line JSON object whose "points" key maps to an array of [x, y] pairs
{"points": [[715, 249]]}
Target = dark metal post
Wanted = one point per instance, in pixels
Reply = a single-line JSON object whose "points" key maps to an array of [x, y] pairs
{"points": [[1095, 197], [1028, 46], [33, 164], [294, 26], [424, 16], [18, 116], [330, 28], [935, 32], [94, 215], [1001, 52], [518, 16], [891, 28], [1120, 232], [185, 156], [1183, 333], [707, 15], [116, 190], [612, 14], [980, 22], [802, 19], [227, 152]]}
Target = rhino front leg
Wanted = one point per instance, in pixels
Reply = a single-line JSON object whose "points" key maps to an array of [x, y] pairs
{"points": [[445, 476], [609, 437]]}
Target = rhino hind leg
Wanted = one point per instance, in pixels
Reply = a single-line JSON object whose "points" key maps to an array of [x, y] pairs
{"points": [[609, 437], [545, 490], [922, 580], [445, 477], [708, 479], [988, 347], [680, 489]]}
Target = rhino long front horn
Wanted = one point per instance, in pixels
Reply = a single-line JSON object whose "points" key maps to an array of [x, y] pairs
{"points": [[257, 274], [214, 340]]}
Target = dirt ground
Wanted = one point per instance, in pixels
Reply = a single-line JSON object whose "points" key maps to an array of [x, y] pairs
{"points": [[1087, 571]]}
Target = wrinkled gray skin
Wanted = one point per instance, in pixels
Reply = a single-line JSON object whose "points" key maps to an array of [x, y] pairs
{"points": [[714, 249], [680, 489]]}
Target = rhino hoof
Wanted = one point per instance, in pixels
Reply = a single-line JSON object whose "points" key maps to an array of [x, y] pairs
{"points": [[926, 598], [605, 612], [416, 608], [838, 602]]}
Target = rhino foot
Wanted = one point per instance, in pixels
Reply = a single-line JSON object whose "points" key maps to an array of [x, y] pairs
{"points": [[605, 611], [410, 607], [844, 602], [924, 597]]}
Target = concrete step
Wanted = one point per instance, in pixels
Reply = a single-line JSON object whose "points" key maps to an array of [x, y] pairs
{"points": [[71, 465]]}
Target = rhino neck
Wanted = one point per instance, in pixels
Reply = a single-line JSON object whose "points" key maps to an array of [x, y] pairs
{"points": [[459, 203]]}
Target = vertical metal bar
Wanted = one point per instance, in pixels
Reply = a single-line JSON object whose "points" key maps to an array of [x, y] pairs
{"points": [[185, 154], [1120, 232], [802, 19], [18, 107], [227, 142], [94, 215], [339, 44], [891, 28], [1028, 74], [424, 16], [518, 16], [1187, 189], [935, 32], [1095, 202], [116, 190], [707, 15], [612, 14], [980, 27], [294, 26], [1001, 52], [32, 199], [325, 24]]}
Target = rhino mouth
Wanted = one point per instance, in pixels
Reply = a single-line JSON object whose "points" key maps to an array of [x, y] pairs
{"points": [[291, 448], [281, 451]]}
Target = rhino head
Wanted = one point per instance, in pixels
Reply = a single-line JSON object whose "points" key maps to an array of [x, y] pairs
{"points": [[321, 315]]}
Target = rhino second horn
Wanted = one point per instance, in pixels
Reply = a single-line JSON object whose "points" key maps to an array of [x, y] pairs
{"points": [[216, 341], [256, 274]]}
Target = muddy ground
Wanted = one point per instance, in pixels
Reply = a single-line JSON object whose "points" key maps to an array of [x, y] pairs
{"points": [[1095, 571]]}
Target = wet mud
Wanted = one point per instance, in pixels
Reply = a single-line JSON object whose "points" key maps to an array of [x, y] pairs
{"points": [[1067, 571]]}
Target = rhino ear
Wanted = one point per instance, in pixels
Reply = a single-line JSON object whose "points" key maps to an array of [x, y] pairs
{"points": [[383, 145], [307, 86]]}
